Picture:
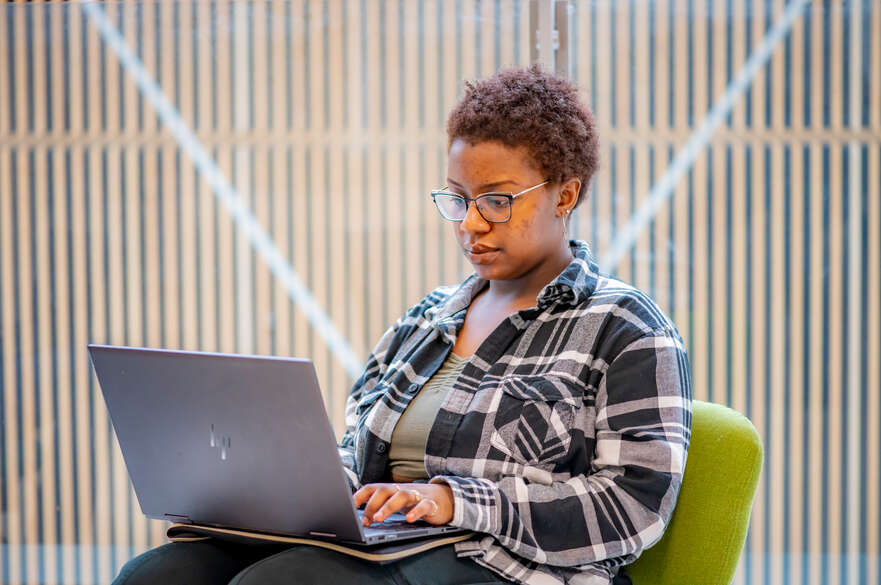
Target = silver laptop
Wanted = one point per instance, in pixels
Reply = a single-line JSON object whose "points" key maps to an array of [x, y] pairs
{"points": [[234, 441]]}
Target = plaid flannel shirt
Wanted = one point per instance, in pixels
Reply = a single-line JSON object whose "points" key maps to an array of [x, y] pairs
{"points": [[564, 438]]}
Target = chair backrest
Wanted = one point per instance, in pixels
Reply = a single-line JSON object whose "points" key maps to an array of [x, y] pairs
{"points": [[703, 542]]}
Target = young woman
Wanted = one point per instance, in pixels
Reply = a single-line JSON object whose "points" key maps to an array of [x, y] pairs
{"points": [[539, 403]]}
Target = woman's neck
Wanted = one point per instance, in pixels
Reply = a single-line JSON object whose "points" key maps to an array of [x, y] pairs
{"points": [[524, 290]]}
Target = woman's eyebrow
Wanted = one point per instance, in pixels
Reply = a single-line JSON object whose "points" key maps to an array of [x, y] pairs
{"points": [[485, 186]]}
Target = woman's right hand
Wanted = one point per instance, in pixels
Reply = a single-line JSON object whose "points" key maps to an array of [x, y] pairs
{"points": [[430, 502]]}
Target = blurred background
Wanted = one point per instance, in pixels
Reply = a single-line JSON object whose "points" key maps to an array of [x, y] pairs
{"points": [[253, 177]]}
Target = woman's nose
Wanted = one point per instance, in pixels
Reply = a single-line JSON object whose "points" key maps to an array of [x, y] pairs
{"points": [[473, 221]]}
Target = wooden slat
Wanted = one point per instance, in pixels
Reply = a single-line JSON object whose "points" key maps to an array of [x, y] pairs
{"points": [[190, 227], [136, 304], [834, 362], [375, 186], [797, 103], [663, 54], [8, 284], [356, 190], [111, 466], [740, 245], [757, 350], [777, 75], [718, 303], [412, 210], [700, 308], [81, 161], [875, 59], [317, 171], [797, 407], [170, 247], [450, 84], [262, 279], [45, 388], [680, 60], [241, 177], [621, 191], [338, 290], [777, 453], [223, 266], [873, 350], [278, 63], [301, 258], [645, 253], [208, 267], [260, 60], [149, 24], [169, 235], [623, 90], [719, 39], [205, 52], [153, 277], [853, 433], [63, 327], [758, 24], [507, 32], [836, 99], [280, 202], [641, 90], [98, 295], [662, 244], [486, 36], [6, 84], [222, 28], [816, 77], [816, 360], [26, 314]]}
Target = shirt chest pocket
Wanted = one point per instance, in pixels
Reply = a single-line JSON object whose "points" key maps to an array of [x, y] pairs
{"points": [[534, 418]]}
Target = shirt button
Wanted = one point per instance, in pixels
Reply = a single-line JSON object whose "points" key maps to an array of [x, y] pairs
{"points": [[413, 389], [381, 448]]}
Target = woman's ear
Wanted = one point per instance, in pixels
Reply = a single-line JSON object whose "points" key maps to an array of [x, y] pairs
{"points": [[568, 196]]}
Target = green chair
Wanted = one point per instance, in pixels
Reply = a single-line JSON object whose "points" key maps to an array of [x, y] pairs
{"points": [[703, 542]]}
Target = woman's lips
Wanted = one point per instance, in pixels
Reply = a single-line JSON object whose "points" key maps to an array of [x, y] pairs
{"points": [[481, 254]]}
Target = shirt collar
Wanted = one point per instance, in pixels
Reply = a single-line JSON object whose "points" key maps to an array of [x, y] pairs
{"points": [[571, 287]]}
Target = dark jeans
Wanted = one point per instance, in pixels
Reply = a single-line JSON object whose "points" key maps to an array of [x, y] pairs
{"points": [[219, 563]]}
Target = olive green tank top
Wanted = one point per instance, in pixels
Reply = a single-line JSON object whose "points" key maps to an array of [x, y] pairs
{"points": [[407, 448]]}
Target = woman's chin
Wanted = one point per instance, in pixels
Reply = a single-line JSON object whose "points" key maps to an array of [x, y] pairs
{"points": [[489, 271]]}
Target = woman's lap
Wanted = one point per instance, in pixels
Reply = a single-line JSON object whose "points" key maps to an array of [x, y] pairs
{"points": [[209, 562], [306, 565], [216, 563]]}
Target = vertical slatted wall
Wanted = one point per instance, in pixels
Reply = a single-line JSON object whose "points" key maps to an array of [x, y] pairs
{"points": [[327, 116]]}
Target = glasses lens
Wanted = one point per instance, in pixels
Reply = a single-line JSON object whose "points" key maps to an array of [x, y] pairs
{"points": [[451, 206], [495, 208]]}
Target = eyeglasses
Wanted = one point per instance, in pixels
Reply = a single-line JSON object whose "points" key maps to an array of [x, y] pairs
{"points": [[493, 207]]}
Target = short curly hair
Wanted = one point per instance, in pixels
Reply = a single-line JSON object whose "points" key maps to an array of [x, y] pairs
{"points": [[532, 108]]}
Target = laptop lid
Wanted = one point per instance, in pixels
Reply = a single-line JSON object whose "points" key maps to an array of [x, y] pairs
{"points": [[227, 440]]}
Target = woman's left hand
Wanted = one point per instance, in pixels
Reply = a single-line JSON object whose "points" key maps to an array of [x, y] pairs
{"points": [[433, 502]]}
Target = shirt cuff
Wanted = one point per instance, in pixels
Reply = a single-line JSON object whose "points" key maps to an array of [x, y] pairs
{"points": [[475, 502]]}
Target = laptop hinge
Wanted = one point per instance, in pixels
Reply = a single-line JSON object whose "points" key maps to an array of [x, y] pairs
{"points": [[178, 518], [323, 534]]}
